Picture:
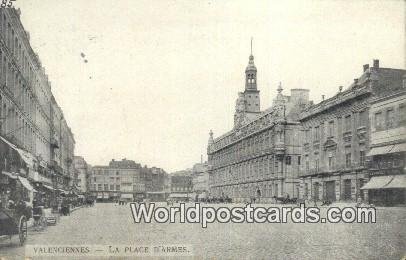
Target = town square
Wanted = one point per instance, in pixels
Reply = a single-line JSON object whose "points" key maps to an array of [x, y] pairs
{"points": [[202, 129]]}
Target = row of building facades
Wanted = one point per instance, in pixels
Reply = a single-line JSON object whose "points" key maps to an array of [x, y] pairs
{"points": [[349, 147], [127, 179], [31, 121]]}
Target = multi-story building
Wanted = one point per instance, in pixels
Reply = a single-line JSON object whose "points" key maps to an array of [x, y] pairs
{"points": [[181, 184], [387, 156], [336, 136], [119, 177], [30, 117], [83, 173], [125, 178], [260, 157], [158, 177]]}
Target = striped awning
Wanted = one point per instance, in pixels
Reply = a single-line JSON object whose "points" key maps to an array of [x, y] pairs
{"points": [[26, 184], [399, 148], [398, 182], [26, 156], [48, 187], [393, 148], [386, 182], [10, 174], [377, 182]]}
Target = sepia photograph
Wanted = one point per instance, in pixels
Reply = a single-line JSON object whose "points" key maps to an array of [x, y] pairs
{"points": [[206, 129]]}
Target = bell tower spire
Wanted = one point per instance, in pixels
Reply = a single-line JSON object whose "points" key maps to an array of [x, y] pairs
{"points": [[251, 92], [251, 73], [251, 46]]}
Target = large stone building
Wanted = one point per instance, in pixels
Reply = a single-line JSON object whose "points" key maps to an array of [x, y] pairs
{"points": [[261, 156], [125, 178], [387, 156], [30, 118], [336, 136]]}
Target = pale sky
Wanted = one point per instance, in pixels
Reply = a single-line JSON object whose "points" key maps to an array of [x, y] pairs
{"points": [[161, 74]]}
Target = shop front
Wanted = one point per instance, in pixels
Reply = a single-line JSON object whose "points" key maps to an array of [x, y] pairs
{"points": [[157, 195], [14, 169], [388, 190]]}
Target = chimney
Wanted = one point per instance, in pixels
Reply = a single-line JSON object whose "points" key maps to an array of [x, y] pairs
{"points": [[340, 88], [322, 97], [366, 67], [355, 81], [376, 63]]}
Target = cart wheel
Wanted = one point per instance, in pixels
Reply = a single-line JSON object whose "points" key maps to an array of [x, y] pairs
{"points": [[22, 230]]}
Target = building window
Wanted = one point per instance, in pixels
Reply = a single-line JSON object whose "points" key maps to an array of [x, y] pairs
{"points": [[390, 118], [288, 160], [117, 187], [397, 161], [378, 121], [348, 160], [99, 187], [307, 164], [348, 123], [362, 158], [111, 187], [106, 187], [298, 160], [316, 133], [331, 129], [317, 164], [363, 118], [330, 163], [307, 135], [306, 191]]}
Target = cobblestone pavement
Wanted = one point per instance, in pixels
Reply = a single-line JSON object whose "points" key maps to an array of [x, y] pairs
{"points": [[112, 224]]}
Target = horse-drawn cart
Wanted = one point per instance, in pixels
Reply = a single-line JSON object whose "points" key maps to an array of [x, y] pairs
{"points": [[13, 223]]}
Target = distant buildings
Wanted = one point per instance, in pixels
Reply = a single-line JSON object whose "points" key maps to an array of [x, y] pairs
{"points": [[200, 178], [158, 179], [181, 181], [125, 179], [83, 173]]}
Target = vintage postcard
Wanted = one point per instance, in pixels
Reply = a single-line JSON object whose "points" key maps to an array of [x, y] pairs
{"points": [[213, 129]]}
